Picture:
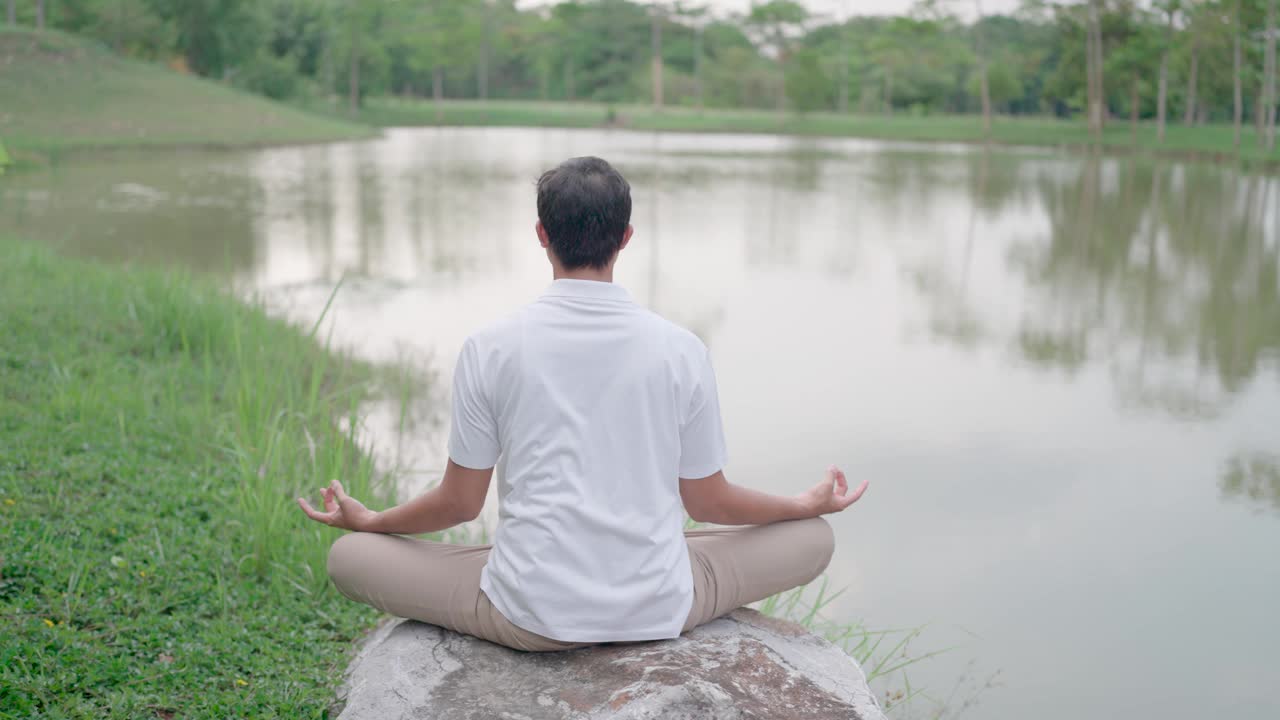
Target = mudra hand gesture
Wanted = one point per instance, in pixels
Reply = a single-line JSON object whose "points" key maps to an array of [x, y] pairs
{"points": [[340, 509]]}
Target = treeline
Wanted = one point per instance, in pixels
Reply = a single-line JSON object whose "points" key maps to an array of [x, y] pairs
{"points": [[1192, 61]]}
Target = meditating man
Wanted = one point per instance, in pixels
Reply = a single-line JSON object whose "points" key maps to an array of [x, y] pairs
{"points": [[604, 423]]}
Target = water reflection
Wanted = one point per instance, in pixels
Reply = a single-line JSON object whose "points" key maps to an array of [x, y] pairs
{"points": [[1169, 274], [1252, 477]]}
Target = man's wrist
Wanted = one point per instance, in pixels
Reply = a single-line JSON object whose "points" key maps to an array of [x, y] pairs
{"points": [[802, 508], [373, 524]]}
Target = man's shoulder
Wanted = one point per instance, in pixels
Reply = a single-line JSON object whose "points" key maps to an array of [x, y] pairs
{"points": [[678, 338], [497, 333]]}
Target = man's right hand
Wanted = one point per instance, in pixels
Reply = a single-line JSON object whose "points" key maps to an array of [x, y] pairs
{"points": [[832, 495]]}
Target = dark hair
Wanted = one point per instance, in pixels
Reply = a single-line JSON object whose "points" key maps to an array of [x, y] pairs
{"points": [[584, 206]]}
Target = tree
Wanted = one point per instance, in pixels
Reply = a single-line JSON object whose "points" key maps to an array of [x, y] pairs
{"points": [[656, 53], [1133, 59], [214, 35], [1170, 7], [12, 14], [983, 79], [363, 45], [1002, 85], [1094, 57], [39, 14], [808, 87], [482, 62], [776, 22], [1237, 112], [699, 17], [1269, 78], [1193, 27], [567, 17], [889, 47]]}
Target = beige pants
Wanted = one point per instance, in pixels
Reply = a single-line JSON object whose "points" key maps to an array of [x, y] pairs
{"points": [[439, 583]]}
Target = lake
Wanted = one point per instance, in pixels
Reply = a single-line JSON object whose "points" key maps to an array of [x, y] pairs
{"points": [[1060, 372]]}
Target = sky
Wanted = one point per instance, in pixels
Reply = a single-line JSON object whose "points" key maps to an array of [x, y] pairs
{"points": [[964, 8], [872, 7]]}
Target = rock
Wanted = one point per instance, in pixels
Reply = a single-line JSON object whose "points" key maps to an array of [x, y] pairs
{"points": [[742, 666]]}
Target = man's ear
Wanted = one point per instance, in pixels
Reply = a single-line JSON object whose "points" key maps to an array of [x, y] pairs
{"points": [[542, 234], [626, 237]]}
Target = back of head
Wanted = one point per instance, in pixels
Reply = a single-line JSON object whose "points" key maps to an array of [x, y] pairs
{"points": [[584, 206]]}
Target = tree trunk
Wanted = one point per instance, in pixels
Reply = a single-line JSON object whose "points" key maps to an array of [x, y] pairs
{"points": [[1270, 74], [1099, 64], [437, 91], [482, 64], [1090, 92], [697, 65], [39, 14], [1189, 116], [888, 91], [1133, 110], [842, 100], [569, 89], [1238, 110], [780, 42], [1162, 94], [983, 86], [12, 14], [1260, 117], [1094, 46], [655, 40], [353, 79]]}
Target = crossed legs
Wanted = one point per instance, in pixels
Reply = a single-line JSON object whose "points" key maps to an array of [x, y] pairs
{"points": [[439, 583]]}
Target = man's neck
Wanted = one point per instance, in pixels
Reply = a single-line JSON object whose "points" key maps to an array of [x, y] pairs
{"points": [[604, 274]]}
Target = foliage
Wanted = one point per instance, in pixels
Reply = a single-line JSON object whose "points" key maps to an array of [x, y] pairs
{"points": [[776, 55]]}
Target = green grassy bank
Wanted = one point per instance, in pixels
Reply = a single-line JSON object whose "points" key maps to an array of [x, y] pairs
{"points": [[59, 92], [1211, 142], [153, 432]]}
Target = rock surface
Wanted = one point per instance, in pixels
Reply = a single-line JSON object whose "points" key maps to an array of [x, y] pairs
{"points": [[742, 666]]}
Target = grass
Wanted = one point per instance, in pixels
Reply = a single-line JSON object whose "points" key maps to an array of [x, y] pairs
{"points": [[1203, 142], [885, 656], [153, 432], [59, 92]]}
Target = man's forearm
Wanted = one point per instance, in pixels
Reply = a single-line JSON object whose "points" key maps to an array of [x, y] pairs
{"points": [[744, 506], [431, 511]]}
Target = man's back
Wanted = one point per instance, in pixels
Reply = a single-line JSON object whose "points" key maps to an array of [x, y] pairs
{"points": [[596, 407]]}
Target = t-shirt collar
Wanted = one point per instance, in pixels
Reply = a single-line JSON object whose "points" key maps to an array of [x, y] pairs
{"points": [[594, 289]]}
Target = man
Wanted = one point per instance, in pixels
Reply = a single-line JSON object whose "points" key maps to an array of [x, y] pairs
{"points": [[605, 421]]}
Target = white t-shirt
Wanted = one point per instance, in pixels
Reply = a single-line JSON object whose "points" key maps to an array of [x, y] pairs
{"points": [[596, 407]]}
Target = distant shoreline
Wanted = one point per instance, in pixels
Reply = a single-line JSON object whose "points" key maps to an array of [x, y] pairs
{"points": [[1212, 143]]}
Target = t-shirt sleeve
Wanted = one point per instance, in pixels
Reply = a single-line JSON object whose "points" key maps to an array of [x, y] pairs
{"points": [[473, 432], [702, 447]]}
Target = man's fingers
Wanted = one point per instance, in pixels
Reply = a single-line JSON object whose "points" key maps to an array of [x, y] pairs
{"points": [[326, 495], [858, 493], [842, 483], [312, 513], [339, 490], [844, 501]]}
